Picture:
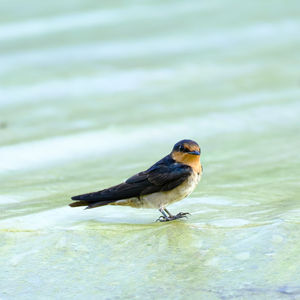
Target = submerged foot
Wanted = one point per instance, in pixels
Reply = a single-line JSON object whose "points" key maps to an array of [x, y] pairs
{"points": [[171, 218]]}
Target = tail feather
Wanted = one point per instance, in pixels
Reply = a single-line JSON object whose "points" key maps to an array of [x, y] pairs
{"points": [[89, 197], [90, 200], [89, 204], [118, 192], [78, 203]]}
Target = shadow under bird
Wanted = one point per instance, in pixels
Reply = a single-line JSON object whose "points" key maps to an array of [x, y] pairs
{"points": [[171, 179]]}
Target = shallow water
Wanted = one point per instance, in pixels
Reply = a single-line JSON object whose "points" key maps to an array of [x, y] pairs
{"points": [[91, 93]]}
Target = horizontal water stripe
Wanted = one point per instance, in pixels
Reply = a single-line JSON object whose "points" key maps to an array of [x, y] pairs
{"points": [[93, 18], [111, 83], [242, 37], [38, 154], [80, 86]]}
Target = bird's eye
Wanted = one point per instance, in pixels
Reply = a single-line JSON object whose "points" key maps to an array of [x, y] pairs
{"points": [[181, 148]]}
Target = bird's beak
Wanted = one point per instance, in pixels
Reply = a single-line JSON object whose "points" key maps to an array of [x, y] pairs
{"points": [[194, 152]]}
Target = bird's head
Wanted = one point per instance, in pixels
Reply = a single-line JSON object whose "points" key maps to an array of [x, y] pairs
{"points": [[187, 152]]}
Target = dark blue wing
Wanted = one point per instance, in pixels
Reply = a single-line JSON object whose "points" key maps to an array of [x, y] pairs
{"points": [[165, 175]]}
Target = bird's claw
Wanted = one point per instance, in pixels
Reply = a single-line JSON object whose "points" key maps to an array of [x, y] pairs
{"points": [[171, 218], [162, 219], [182, 215]]}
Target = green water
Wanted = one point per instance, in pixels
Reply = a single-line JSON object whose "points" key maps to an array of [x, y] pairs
{"points": [[91, 93]]}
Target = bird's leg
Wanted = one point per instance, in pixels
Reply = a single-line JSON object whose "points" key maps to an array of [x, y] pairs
{"points": [[165, 218], [178, 216], [170, 215]]}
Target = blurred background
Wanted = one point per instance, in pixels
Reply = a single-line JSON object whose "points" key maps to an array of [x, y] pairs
{"points": [[92, 92]]}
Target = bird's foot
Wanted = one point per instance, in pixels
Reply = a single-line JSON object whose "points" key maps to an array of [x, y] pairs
{"points": [[171, 218], [182, 215], [163, 219]]}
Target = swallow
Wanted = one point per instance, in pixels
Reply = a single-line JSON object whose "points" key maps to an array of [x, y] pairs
{"points": [[169, 180]]}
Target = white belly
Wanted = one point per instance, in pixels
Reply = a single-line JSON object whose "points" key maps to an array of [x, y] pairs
{"points": [[161, 199]]}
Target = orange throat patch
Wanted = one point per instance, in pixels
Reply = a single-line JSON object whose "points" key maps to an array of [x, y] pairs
{"points": [[188, 159]]}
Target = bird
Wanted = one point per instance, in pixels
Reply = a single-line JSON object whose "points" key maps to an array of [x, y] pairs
{"points": [[169, 180]]}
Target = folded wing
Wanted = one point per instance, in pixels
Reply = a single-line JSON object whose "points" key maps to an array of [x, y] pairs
{"points": [[162, 176]]}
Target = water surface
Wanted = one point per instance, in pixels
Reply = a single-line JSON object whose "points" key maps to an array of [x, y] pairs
{"points": [[91, 93]]}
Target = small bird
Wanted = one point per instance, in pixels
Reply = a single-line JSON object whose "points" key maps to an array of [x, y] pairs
{"points": [[171, 179]]}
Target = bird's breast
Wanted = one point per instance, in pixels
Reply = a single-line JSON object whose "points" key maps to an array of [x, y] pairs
{"points": [[160, 199]]}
